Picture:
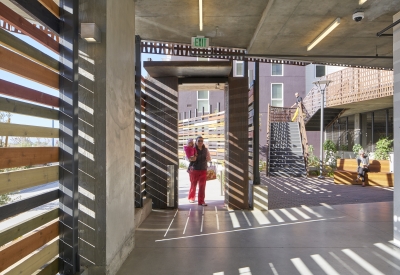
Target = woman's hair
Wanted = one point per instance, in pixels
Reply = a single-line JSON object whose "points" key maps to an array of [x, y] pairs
{"points": [[198, 138]]}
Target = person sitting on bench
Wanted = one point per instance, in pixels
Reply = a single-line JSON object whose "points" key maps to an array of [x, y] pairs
{"points": [[362, 163]]}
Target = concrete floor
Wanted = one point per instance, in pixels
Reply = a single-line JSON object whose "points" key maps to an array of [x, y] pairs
{"points": [[299, 239]]}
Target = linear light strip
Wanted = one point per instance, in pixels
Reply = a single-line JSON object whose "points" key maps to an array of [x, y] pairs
{"points": [[323, 34], [201, 15]]}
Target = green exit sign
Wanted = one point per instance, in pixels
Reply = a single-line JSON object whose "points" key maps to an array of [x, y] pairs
{"points": [[200, 42]]}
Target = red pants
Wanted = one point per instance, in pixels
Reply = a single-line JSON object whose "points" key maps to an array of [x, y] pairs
{"points": [[198, 176]]}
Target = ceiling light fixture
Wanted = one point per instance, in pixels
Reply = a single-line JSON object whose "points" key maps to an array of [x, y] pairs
{"points": [[201, 15], [324, 34]]}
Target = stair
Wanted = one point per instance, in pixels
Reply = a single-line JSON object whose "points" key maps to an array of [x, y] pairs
{"points": [[286, 158]]}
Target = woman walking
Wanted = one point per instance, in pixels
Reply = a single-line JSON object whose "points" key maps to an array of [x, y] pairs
{"points": [[199, 173]]}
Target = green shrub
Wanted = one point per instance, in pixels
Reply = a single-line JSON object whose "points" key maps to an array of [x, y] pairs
{"points": [[356, 149], [382, 148], [330, 151]]}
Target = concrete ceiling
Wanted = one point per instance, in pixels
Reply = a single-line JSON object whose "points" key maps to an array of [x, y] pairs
{"points": [[276, 27]]}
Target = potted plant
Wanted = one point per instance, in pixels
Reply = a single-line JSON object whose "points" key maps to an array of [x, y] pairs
{"points": [[382, 148]]}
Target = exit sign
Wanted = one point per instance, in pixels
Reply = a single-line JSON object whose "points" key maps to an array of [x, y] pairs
{"points": [[200, 42]]}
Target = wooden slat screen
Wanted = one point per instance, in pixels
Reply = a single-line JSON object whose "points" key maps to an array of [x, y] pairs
{"points": [[31, 244]]}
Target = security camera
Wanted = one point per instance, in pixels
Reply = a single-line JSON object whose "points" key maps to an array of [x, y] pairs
{"points": [[358, 16]]}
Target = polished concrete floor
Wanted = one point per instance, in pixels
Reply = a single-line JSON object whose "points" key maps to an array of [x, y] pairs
{"points": [[303, 238]]}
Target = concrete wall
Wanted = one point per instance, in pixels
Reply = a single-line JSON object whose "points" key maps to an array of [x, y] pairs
{"points": [[106, 160], [396, 127]]}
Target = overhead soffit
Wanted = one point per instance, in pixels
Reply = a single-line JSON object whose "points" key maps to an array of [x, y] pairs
{"points": [[286, 29]]}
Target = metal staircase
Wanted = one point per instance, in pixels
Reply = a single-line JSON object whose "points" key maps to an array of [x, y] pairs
{"points": [[286, 150]]}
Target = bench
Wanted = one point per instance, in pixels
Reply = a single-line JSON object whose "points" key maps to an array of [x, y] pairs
{"points": [[378, 175]]}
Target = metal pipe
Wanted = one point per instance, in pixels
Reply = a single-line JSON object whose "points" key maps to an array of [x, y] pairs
{"points": [[388, 27], [321, 153]]}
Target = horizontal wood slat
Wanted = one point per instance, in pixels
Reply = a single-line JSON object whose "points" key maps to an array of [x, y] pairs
{"points": [[19, 130], [18, 180], [12, 233], [27, 156], [51, 7], [34, 262], [10, 41], [22, 108], [19, 65], [13, 18], [50, 269], [15, 208], [40, 13], [16, 251], [18, 91]]}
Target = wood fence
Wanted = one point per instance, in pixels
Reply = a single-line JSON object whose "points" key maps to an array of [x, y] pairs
{"points": [[211, 127], [32, 245]]}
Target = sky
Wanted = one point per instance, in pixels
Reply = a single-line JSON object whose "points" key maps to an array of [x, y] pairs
{"points": [[35, 121]]}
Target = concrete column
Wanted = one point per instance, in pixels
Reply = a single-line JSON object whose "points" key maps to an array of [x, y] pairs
{"points": [[106, 130], [396, 128], [357, 129]]}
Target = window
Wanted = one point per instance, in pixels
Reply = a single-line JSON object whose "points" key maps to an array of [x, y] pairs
{"points": [[203, 101], [239, 68], [277, 95], [320, 70], [276, 69]]}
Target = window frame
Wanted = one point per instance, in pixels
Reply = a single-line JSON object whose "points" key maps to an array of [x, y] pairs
{"points": [[272, 64], [282, 98], [318, 65], [201, 99], [236, 63]]}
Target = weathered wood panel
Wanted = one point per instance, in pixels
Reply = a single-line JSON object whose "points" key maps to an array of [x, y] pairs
{"points": [[22, 108], [18, 91], [27, 156], [18, 130], [18, 180], [9, 234], [12, 253], [51, 6], [37, 260], [19, 65], [27, 28], [10, 41], [50, 269], [39, 13], [14, 208]]}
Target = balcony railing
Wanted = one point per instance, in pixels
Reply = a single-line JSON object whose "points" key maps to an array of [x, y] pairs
{"points": [[350, 86]]}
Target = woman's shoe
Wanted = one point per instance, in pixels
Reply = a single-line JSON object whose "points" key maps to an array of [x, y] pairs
{"points": [[203, 204], [191, 201]]}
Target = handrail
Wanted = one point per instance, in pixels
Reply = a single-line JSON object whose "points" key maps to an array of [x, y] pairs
{"points": [[303, 133]]}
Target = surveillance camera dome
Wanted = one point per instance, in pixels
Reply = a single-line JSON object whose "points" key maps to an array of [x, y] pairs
{"points": [[358, 16]]}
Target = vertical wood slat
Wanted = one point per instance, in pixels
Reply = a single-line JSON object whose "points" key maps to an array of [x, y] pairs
{"points": [[51, 7], [36, 261], [10, 41], [19, 65], [22, 179], [27, 28], [26, 156], [18, 91], [15, 252], [16, 231]]}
